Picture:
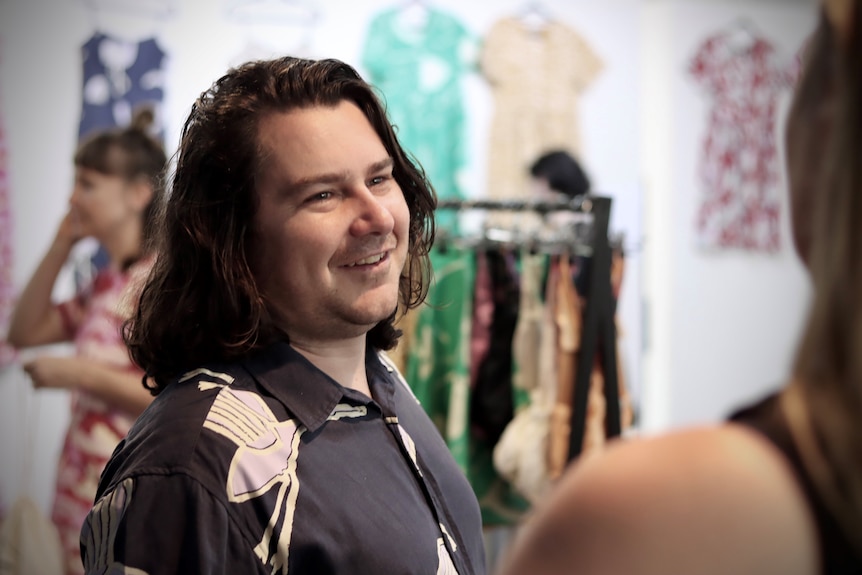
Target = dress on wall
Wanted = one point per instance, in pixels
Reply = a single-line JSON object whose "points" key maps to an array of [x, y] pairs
{"points": [[419, 64], [537, 77], [743, 75], [119, 76]]}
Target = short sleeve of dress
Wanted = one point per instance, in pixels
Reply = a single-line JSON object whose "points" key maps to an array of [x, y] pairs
{"points": [[492, 53], [589, 64], [704, 64], [160, 525], [374, 48]]}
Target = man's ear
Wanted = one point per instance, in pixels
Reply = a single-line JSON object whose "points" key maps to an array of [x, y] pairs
{"points": [[841, 14], [141, 193]]}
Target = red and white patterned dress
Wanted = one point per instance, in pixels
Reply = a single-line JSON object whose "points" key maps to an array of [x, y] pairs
{"points": [[739, 171], [93, 319], [7, 293]]}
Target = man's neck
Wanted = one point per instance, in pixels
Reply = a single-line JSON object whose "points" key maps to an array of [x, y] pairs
{"points": [[343, 361]]}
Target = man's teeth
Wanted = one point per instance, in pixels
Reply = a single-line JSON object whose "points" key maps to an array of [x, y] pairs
{"points": [[368, 261]]}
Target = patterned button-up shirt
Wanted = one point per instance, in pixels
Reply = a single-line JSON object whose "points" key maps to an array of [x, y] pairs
{"points": [[270, 466]]}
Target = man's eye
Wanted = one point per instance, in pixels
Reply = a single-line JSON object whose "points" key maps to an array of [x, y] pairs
{"points": [[320, 196]]}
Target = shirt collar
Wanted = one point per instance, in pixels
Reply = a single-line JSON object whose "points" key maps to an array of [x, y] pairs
{"points": [[308, 393]]}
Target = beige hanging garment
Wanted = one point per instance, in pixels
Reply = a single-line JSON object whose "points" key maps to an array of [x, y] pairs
{"points": [[567, 320], [520, 455]]}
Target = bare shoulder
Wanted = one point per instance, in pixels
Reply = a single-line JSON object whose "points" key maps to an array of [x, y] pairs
{"points": [[701, 501]]}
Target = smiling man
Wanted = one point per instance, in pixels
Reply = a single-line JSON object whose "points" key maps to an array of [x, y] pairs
{"points": [[282, 440]]}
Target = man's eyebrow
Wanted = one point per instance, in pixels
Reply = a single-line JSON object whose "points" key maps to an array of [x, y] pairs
{"points": [[336, 177], [381, 165]]}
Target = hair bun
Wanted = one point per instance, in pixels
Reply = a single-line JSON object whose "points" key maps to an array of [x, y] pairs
{"points": [[143, 119]]}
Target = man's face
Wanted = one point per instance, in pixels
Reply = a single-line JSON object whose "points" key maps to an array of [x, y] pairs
{"points": [[331, 226]]}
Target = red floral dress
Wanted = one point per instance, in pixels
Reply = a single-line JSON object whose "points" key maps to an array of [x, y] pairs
{"points": [[743, 75], [93, 319]]}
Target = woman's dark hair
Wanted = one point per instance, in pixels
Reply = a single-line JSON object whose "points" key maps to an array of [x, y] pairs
{"points": [[563, 173], [130, 153], [201, 303], [825, 138]]}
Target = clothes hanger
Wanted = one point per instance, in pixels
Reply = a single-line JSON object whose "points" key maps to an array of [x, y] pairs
{"points": [[153, 9], [270, 12], [129, 20], [413, 14], [535, 16], [744, 33]]}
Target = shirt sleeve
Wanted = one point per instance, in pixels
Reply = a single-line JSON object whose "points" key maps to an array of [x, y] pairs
{"points": [[163, 525]]}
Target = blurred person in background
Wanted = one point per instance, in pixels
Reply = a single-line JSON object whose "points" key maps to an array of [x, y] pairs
{"points": [[118, 178]]}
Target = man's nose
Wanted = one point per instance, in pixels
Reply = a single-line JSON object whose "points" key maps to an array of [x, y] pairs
{"points": [[372, 214]]}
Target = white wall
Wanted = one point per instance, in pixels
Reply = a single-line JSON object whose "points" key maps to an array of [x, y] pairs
{"points": [[722, 326], [717, 327]]}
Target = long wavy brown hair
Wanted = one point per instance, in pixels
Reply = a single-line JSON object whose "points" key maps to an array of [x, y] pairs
{"points": [[202, 303], [824, 142]]}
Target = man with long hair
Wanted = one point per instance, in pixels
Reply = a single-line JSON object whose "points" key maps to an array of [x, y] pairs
{"points": [[281, 438]]}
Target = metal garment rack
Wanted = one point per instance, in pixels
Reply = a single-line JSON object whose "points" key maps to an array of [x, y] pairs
{"points": [[598, 332]]}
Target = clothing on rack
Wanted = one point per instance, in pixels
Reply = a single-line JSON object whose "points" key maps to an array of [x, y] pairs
{"points": [[518, 337], [437, 359], [492, 398]]}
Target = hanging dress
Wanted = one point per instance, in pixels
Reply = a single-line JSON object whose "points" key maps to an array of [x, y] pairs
{"points": [[119, 76], [419, 67], [537, 77], [740, 199]]}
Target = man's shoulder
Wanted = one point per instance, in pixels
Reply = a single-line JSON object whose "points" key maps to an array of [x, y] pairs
{"points": [[190, 396], [393, 371], [169, 436]]}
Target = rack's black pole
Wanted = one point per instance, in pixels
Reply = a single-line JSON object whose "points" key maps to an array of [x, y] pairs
{"points": [[598, 334]]}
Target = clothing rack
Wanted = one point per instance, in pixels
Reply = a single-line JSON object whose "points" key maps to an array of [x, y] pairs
{"points": [[577, 204], [598, 332]]}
